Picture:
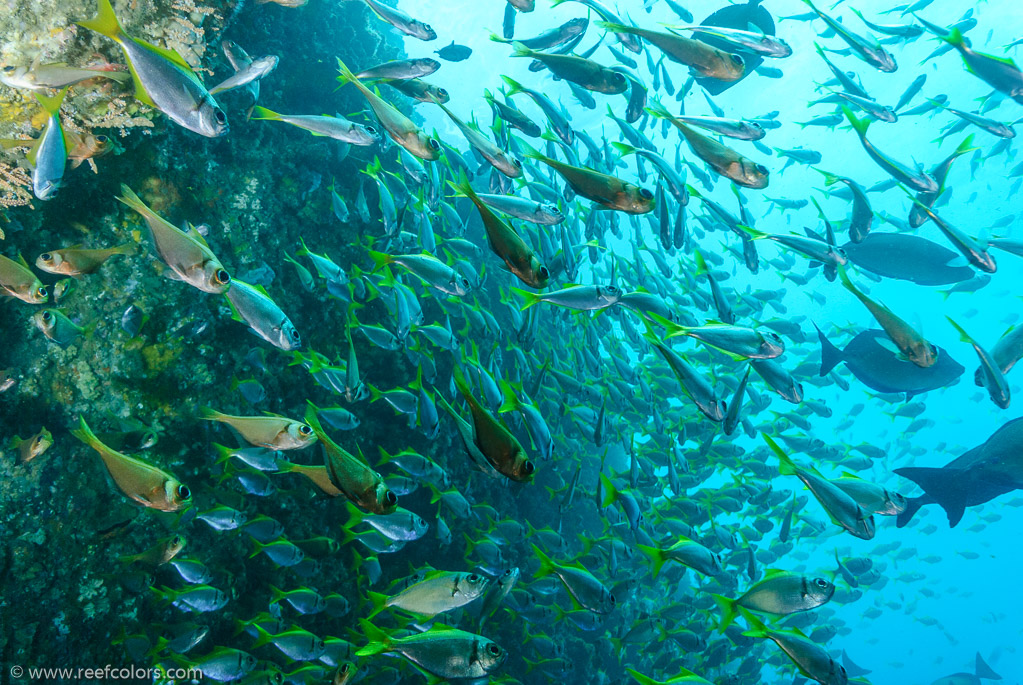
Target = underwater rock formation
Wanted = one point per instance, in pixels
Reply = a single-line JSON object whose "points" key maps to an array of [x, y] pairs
{"points": [[64, 594]]}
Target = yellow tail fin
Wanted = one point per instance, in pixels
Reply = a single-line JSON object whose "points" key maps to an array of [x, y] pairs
{"points": [[105, 22]]}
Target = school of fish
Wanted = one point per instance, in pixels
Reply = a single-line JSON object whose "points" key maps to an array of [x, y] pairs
{"points": [[617, 436]]}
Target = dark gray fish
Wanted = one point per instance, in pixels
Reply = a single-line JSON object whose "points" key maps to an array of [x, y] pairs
{"points": [[909, 258], [455, 52], [871, 360], [981, 474]]}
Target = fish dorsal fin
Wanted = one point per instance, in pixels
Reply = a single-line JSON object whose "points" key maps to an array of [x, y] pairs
{"points": [[441, 627], [169, 54]]}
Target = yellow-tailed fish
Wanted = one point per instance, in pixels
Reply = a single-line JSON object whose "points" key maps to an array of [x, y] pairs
{"points": [[187, 255], [17, 280], [578, 70], [159, 554], [56, 326], [76, 261], [436, 593], [843, 509], [703, 59], [721, 158], [780, 593], [505, 242], [56, 75], [501, 160], [909, 342], [399, 127], [48, 155], [317, 475], [606, 190], [162, 78], [811, 659], [272, 432], [146, 484], [363, 486], [35, 446], [495, 442]]}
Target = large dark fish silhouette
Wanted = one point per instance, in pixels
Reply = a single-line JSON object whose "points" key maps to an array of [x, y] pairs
{"points": [[980, 670], [741, 16], [978, 476], [872, 360], [909, 258]]}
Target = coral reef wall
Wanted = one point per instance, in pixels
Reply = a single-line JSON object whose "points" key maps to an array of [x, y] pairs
{"points": [[63, 593]]}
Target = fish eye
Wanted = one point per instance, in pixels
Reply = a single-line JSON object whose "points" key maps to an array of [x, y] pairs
{"points": [[370, 130], [442, 92], [494, 649], [517, 163], [473, 578], [220, 116], [434, 144], [222, 277], [294, 334], [737, 60], [320, 644], [47, 316], [613, 600], [761, 169], [344, 669], [41, 292], [102, 139], [544, 273], [529, 467], [8, 70], [820, 582], [427, 28], [390, 498], [618, 77], [183, 492], [305, 430], [46, 257], [645, 194]]}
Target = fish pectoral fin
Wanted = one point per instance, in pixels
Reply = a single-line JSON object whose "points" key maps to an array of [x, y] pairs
{"points": [[890, 346], [170, 273]]}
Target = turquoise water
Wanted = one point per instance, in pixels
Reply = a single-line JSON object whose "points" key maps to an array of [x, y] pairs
{"points": [[939, 594]]}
